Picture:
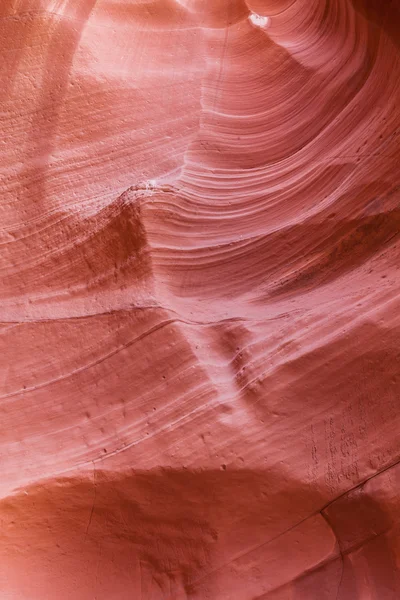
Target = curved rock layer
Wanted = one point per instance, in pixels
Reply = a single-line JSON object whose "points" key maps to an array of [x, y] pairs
{"points": [[200, 313]]}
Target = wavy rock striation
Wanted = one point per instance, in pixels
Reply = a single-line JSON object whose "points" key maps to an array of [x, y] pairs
{"points": [[200, 299]]}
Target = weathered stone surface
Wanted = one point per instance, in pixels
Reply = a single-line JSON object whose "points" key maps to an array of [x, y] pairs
{"points": [[200, 314]]}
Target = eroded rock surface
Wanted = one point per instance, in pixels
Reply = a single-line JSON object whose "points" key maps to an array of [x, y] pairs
{"points": [[200, 314]]}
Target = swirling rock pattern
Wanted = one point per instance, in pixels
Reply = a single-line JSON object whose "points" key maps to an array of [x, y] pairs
{"points": [[200, 299]]}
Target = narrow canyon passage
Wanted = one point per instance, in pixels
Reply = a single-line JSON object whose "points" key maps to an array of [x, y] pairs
{"points": [[200, 309]]}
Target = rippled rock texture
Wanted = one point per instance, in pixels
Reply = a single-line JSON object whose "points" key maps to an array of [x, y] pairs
{"points": [[200, 313]]}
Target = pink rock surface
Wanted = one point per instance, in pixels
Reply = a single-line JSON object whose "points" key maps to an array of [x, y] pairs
{"points": [[200, 314]]}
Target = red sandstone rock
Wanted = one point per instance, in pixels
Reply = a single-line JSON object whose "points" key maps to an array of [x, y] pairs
{"points": [[199, 300]]}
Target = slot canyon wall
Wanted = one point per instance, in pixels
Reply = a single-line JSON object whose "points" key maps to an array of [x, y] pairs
{"points": [[200, 311]]}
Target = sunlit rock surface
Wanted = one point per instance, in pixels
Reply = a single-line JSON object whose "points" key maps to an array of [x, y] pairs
{"points": [[200, 312]]}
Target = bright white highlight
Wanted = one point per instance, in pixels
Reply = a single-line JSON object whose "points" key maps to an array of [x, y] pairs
{"points": [[259, 21], [151, 184]]}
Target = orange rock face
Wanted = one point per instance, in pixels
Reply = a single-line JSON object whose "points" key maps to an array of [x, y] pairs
{"points": [[200, 314]]}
